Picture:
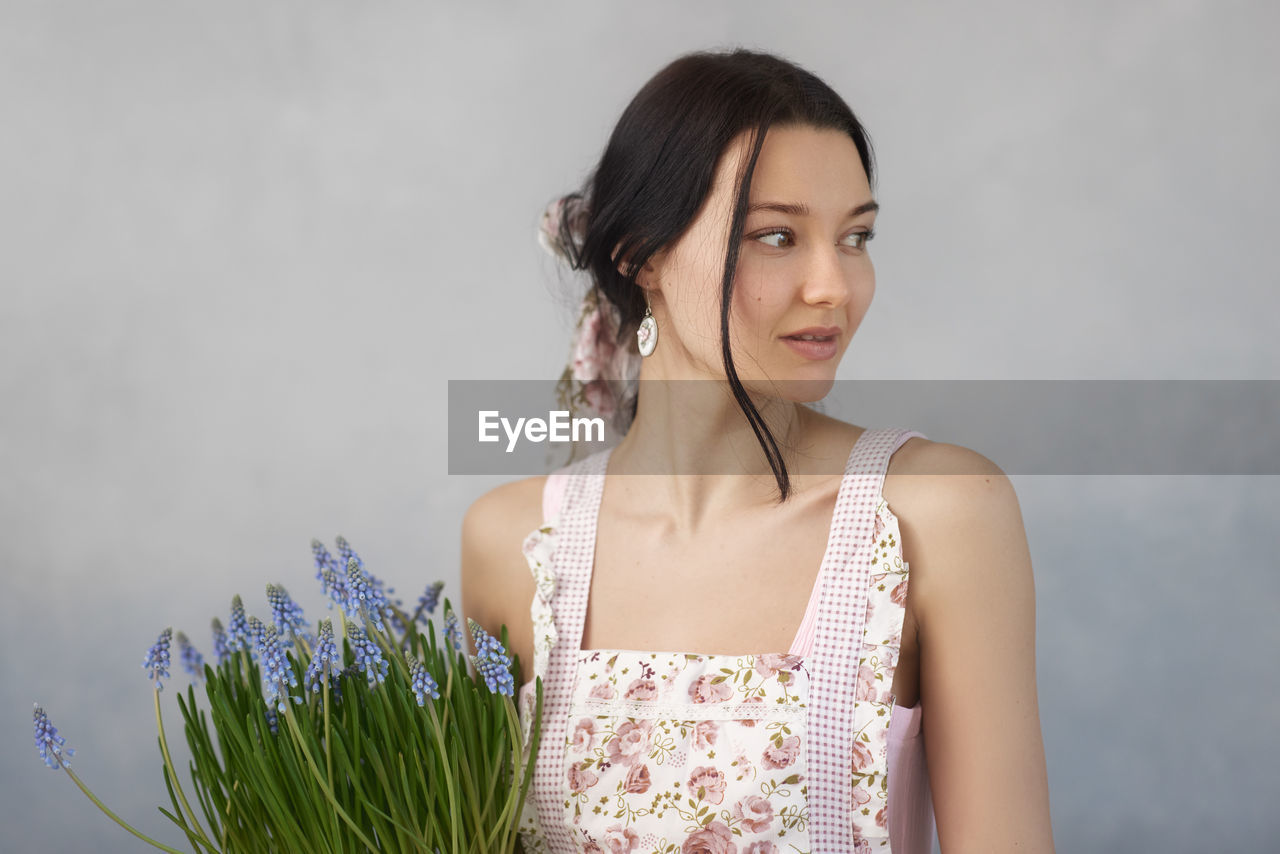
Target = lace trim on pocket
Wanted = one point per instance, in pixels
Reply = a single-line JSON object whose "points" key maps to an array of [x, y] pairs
{"points": [[690, 711], [539, 547]]}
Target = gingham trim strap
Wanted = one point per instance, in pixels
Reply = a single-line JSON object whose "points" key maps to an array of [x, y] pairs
{"points": [[837, 646], [574, 555]]}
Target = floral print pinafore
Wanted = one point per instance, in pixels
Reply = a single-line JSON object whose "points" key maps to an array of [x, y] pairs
{"points": [[685, 753]]}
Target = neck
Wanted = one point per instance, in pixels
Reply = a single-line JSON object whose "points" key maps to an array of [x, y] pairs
{"points": [[693, 433]]}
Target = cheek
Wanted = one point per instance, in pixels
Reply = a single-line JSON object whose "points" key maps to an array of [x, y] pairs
{"points": [[758, 300], [860, 298], [692, 279]]}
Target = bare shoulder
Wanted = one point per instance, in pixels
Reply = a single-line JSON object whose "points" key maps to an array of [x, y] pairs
{"points": [[517, 504], [497, 585], [938, 480], [959, 517]]}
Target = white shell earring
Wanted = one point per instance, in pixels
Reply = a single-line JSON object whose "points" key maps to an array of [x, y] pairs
{"points": [[647, 334]]}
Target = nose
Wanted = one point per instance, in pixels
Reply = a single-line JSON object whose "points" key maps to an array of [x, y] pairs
{"points": [[829, 277]]}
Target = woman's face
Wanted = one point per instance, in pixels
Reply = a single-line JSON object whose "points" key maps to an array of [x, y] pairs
{"points": [[803, 269]]}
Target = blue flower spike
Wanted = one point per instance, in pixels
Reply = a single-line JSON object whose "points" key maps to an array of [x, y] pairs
{"points": [[363, 597], [326, 653], [451, 631], [285, 613], [277, 675], [222, 648], [333, 586], [491, 661], [324, 560], [238, 628], [420, 681], [157, 661], [192, 660], [347, 553], [368, 657], [428, 601], [331, 576], [49, 743]]}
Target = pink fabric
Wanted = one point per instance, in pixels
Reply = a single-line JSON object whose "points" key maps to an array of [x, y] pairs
{"points": [[910, 818], [553, 494]]}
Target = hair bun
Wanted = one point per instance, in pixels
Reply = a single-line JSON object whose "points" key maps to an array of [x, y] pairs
{"points": [[562, 226]]}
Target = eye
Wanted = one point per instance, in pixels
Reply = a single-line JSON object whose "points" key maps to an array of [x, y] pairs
{"points": [[778, 238], [858, 239]]}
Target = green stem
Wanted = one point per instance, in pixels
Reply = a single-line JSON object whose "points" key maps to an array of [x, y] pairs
{"points": [[91, 796], [328, 736], [168, 765], [315, 772], [328, 732], [510, 816], [304, 648], [408, 623], [450, 785]]}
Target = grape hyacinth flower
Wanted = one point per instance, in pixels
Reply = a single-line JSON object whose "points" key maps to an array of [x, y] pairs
{"points": [[363, 596], [157, 661], [277, 675], [326, 654], [324, 560], [491, 661], [238, 628], [285, 613], [368, 657], [428, 601], [329, 572], [192, 660], [49, 743], [221, 646], [273, 720], [451, 631], [347, 553], [334, 586], [257, 629], [420, 681], [254, 633]]}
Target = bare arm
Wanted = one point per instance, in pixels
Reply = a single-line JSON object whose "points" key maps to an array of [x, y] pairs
{"points": [[497, 586], [975, 605]]}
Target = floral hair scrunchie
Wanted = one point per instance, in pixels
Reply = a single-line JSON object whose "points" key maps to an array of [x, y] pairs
{"points": [[601, 372]]}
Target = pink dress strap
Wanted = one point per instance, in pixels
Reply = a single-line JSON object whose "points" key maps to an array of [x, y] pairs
{"points": [[803, 643], [837, 724], [580, 487], [553, 494]]}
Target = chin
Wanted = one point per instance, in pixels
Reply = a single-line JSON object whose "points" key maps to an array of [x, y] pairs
{"points": [[793, 390], [809, 391]]}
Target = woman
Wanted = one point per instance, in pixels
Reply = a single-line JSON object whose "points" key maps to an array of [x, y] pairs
{"points": [[732, 658]]}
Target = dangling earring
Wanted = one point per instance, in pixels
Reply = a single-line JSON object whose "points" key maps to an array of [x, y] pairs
{"points": [[647, 334]]}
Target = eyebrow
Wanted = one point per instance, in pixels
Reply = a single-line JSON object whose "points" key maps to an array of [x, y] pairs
{"points": [[803, 209]]}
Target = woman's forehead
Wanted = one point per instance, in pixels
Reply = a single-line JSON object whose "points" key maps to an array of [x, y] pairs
{"points": [[818, 169]]}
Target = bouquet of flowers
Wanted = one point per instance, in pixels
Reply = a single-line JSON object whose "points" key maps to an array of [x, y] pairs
{"points": [[361, 733]]}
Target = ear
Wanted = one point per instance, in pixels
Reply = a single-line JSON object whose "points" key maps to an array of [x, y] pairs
{"points": [[648, 271]]}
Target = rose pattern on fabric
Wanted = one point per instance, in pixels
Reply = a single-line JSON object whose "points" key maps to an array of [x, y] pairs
{"points": [[668, 750], [539, 547], [672, 752], [873, 695]]}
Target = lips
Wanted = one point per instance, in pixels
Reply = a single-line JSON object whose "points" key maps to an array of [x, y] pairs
{"points": [[816, 343], [815, 333]]}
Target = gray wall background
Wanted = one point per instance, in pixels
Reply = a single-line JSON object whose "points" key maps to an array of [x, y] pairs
{"points": [[245, 245]]}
